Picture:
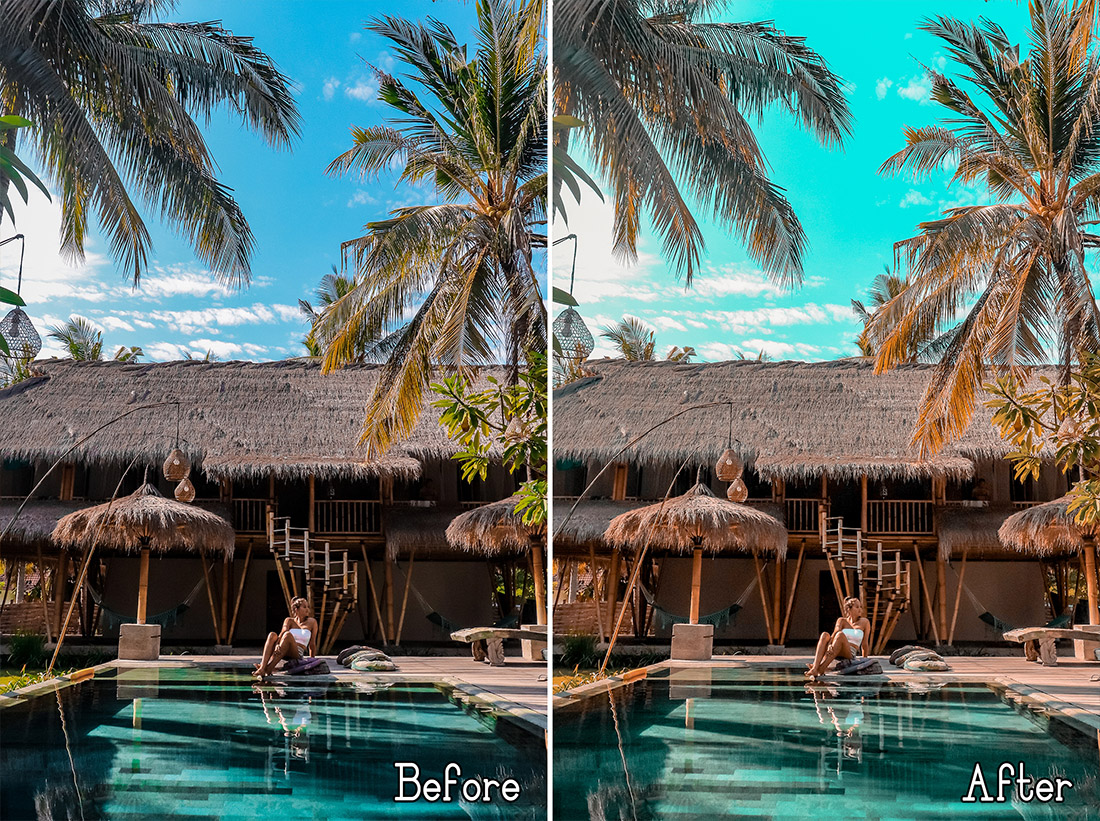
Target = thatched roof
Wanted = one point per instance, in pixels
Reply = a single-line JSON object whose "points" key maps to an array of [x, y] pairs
{"points": [[35, 524], [419, 529], [1045, 530], [699, 519], [973, 530], [590, 521], [493, 529], [238, 419], [791, 420], [147, 519]]}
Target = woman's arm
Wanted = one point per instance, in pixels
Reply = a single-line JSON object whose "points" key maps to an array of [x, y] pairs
{"points": [[312, 624]]}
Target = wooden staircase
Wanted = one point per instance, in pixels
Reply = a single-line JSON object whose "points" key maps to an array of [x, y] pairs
{"points": [[879, 578], [327, 578]]}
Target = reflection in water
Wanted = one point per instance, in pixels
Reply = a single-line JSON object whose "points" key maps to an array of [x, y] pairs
{"points": [[763, 743]]}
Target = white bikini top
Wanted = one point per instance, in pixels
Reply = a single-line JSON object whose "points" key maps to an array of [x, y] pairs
{"points": [[855, 636], [301, 635]]}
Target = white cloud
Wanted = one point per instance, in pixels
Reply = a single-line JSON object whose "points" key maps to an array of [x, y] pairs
{"points": [[179, 280], [780, 350], [141, 323], [908, 35], [727, 281], [220, 348], [328, 90], [914, 197], [354, 37], [758, 319], [918, 89], [163, 351], [208, 320], [364, 89], [717, 351], [113, 323], [882, 87], [361, 197], [665, 323], [695, 323]]}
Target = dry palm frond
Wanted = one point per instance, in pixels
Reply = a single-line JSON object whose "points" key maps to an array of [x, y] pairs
{"points": [[494, 529]]}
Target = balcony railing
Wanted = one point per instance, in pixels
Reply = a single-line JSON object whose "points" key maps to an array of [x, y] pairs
{"points": [[888, 516], [250, 515], [801, 515], [1020, 505], [347, 516]]}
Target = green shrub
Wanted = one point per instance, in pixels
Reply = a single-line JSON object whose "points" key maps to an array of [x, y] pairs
{"points": [[26, 649], [579, 650]]}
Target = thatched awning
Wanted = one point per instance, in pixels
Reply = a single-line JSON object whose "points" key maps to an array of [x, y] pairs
{"points": [[147, 520], [35, 524], [422, 530], [1047, 529], [973, 530], [791, 420], [699, 519], [494, 529], [238, 419], [587, 524]]}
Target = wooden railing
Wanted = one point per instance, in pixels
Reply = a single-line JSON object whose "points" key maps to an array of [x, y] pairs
{"points": [[250, 515], [900, 516], [470, 504], [801, 515], [347, 516], [1021, 505]]}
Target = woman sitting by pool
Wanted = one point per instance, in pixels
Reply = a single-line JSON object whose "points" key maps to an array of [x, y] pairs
{"points": [[845, 642], [297, 639]]}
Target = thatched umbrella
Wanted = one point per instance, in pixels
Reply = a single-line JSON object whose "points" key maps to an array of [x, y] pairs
{"points": [[145, 521], [699, 521], [1050, 528], [495, 529]]}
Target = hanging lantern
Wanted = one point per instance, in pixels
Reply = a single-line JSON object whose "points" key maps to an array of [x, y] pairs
{"points": [[729, 466], [185, 491], [23, 340], [177, 466], [738, 491], [573, 336]]}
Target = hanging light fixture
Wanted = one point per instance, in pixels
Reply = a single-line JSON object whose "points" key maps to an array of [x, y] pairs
{"points": [[730, 466], [16, 328], [185, 491], [572, 335], [177, 467]]}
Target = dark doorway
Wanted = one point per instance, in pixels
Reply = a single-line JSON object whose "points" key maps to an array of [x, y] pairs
{"points": [[828, 608], [846, 501], [275, 610]]}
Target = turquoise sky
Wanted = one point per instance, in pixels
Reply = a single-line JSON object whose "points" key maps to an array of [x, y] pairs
{"points": [[851, 214], [298, 215]]}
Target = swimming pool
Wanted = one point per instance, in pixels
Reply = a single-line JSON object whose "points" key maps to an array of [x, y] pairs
{"points": [[707, 743], [189, 743]]}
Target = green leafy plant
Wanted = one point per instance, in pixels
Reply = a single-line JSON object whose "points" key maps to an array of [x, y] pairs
{"points": [[1063, 420], [505, 419], [13, 171], [26, 649]]}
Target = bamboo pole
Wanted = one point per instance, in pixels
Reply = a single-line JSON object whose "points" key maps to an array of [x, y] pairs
{"points": [[405, 598], [777, 595], [312, 519], [240, 594], [223, 616], [924, 590], [958, 597], [613, 585], [941, 592], [863, 507], [1090, 579], [59, 587], [763, 596], [210, 597], [143, 586], [374, 595], [696, 583], [388, 576], [596, 591], [790, 599], [540, 583]]}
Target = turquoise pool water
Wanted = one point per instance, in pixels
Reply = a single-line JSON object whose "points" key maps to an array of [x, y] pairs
{"points": [[751, 743], [192, 744]]}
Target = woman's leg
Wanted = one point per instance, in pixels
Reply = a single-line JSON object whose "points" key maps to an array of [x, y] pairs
{"points": [[269, 648], [819, 653], [286, 647], [838, 648]]}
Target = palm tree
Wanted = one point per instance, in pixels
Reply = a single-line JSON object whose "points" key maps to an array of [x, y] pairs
{"points": [[115, 94], [885, 287], [82, 339], [678, 354], [475, 128], [666, 95], [1013, 270], [332, 289], [634, 339]]}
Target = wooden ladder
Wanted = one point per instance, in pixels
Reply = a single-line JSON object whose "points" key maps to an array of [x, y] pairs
{"points": [[881, 579], [327, 578]]}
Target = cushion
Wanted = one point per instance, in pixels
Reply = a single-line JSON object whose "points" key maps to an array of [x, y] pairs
{"points": [[367, 665], [901, 651], [926, 665], [346, 654], [303, 666]]}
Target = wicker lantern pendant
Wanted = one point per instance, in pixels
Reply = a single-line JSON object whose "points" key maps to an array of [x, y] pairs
{"points": [[738, 491], [16, 328], [177, 466], [729, 466], [185, 491]]}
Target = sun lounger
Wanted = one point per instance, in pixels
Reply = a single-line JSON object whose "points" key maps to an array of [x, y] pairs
{"points": [[494, 640], [1046, 636]]}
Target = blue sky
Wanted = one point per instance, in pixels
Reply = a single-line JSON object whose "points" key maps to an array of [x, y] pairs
{"points": [[298, 215], [851, 214]]}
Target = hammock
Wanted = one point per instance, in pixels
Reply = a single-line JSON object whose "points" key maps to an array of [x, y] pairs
{"points": [[719, 618], [1002, 626], [448, 626], [110, 619]]}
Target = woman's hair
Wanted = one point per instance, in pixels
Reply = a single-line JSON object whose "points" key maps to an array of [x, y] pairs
{"points": [[297, 600], [848, 602]]}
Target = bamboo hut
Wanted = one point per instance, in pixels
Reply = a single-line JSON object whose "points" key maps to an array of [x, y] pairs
{"points": [[1049, 529]]}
